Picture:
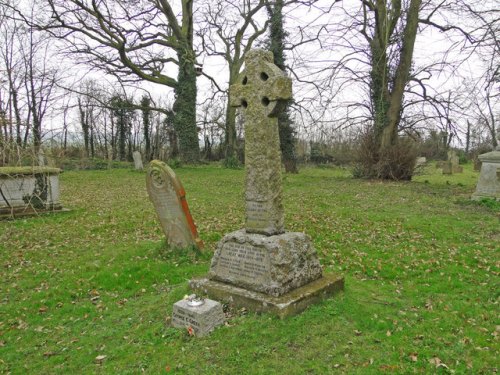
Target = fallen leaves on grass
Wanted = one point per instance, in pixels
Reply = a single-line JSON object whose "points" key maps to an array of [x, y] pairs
{"points": [[437, 362], [100, 358]]}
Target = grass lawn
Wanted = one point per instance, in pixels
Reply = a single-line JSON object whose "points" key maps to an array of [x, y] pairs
{"points": [[91, 290]]}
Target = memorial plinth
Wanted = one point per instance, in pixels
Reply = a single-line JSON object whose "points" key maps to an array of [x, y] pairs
{"points": [[262, 267], [26, 191], [202, 319]]}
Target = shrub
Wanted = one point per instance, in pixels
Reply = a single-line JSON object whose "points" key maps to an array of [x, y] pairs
{"points": [[396, 162]]}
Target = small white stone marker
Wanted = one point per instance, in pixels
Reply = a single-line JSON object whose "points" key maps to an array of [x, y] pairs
{"points": [[138, 161], [201, 315]]}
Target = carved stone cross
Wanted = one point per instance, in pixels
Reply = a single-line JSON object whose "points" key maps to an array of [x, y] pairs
{"points": [[262, 92]]}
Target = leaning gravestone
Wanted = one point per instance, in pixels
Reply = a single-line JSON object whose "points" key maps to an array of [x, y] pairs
{"points": [[488, 185], [138, 160], [169, 200], [262, 267]]}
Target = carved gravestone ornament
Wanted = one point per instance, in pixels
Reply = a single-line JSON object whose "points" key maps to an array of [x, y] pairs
{"points": [[169, 200], [262, 267], [262, 91]]}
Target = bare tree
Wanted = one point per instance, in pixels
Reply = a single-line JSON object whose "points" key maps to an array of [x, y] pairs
{"points": [[232, 30], [140, 40]]}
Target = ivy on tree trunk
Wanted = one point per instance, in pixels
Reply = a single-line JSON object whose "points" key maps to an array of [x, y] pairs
{"points": [[277, 36]]}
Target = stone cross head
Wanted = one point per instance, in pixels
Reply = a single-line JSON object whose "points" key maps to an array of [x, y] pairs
{"points": [[262, 87]]}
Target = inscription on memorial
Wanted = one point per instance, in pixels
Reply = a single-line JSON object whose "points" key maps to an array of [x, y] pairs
{"points": [[168, 203], [257, 213], [243, 262], [184, 318]]}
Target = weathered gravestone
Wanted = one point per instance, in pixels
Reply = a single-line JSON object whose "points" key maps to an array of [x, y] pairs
{"points": [[169, 200], [28, 191], [454, 161], [421, 160], [262, 267], [488, 185], [447, 167], [138, 160], [477, 164]]}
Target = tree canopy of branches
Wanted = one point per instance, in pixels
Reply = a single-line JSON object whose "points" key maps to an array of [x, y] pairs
{"points": [[136, 40]]}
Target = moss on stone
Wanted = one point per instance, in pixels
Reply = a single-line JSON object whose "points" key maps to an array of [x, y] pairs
{"points": [[30, 170]]}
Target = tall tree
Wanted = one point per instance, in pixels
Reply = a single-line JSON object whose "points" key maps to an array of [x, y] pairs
{"points": [[277, 39], [123, 110], [233, 28], [135, 40], [146, 123]]}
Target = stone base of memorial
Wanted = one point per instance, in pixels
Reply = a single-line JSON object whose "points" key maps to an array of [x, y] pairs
{"points": [[488, 185], [280, 274], [26, 191]]}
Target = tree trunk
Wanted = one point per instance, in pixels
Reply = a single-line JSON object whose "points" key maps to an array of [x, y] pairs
{"points": [[185, 109], [230, 136], [402, 75], [85, 126], [146, 122], [387, 93], [277, 46]]}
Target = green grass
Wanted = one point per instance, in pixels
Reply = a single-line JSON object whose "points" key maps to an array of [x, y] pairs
{"points": [[420, 263]]}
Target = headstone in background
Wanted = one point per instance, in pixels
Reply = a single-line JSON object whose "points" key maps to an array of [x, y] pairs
{"points": [[262, 267], [477, 164], [200, 315], [138, 161], [488, 185], [169, 200], [440, 163], [421, 161], [454, 160], [447, 167]]}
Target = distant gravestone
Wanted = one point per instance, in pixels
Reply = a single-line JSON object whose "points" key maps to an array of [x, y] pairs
{"points": [[477, 164], [488, 185], [169, 200], [421, 161], [454, 161], [262, 267], [200, 315], [447, 167], [138, 161]]}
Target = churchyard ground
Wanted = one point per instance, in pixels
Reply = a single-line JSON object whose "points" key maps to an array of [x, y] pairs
{"points": [[91, 290]]}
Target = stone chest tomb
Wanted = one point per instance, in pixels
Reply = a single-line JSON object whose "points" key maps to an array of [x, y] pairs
{"points": [[28, 191], [488, 185]]}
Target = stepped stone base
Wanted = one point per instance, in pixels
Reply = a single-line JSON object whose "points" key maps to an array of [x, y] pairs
{"points": [[271, 265], [288, 304]]}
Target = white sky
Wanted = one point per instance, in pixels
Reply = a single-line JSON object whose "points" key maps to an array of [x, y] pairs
{"points": [[429, 47]]}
